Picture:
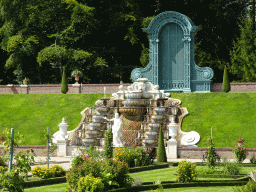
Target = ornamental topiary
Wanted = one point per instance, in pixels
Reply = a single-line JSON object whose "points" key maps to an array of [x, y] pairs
{"points": [[108, 147], [64, 83], [161, 153], [226, 83]]}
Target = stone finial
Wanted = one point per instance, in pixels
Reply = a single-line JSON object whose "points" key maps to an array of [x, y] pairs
{"points": [[121, 87]]}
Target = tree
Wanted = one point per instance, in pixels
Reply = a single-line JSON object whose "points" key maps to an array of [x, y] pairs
{"points": [[243, 53], [211, 156], [64, 83], [109, 31], [161, 153], [226, 83]]}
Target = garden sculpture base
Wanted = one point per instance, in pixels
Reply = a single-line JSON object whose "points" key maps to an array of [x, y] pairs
{"points": [[135, 116]]}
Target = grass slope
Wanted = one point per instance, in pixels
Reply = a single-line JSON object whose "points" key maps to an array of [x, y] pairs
{"points": [[32, 114], [231, 115]]}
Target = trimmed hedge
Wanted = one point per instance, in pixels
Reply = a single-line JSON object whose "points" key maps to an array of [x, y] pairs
{"points": [[42, 182], [179, 185], [219, 176], [149, 167]]}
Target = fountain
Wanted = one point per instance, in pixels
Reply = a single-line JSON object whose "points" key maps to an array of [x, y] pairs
{"points": [[143, 109]]}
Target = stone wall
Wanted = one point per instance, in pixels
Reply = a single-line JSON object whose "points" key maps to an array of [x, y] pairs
{"points": [[99, 88], [235, 87], [55, 88], [38, 149], [198, 152], [183, 152]]}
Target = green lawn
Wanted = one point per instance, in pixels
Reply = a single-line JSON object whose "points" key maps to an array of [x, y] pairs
{"points": [[166, 174], [31, 114], [231, 115], [62, 187], [200, 189], [58, 187]]}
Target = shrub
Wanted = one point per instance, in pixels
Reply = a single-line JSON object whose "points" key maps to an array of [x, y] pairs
{"points": [[79, 159], [226, 83], [119, 153], [253, 160], [57, 170], [64, 83], [211, 156], [42, 171], [90, 183], [239, 151], [89, 166], [93, 152], [108, 147], [186, 172], [134, 156], [2, 161], [112, 172], [10, 181], [116, 172], [249, 187], [231, 168], [161, 153]]}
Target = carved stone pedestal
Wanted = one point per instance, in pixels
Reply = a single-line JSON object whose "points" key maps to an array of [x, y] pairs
{"points": [[62, 148], [171, 151]]}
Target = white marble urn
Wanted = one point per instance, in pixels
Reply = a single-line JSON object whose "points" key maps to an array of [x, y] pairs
{"points": [[63, 129], [173, 130]]}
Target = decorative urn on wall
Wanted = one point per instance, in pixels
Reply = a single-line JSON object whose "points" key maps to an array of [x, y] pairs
{"points": [[76, 73], [25, 81]]}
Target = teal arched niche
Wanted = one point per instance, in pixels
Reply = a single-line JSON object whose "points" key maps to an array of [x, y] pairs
{"points": [[172, 65]]}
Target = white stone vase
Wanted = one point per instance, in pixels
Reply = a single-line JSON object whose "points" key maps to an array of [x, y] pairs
{"points": [[63, 126]]}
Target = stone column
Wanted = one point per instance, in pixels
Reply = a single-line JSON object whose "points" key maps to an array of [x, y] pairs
{"points": [[171, 151], [24, 89], [62, 141], [62, 148], [77, 88]]}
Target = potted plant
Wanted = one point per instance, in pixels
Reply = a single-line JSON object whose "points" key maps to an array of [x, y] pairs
{"points": [[25, 81], [76, 73]]}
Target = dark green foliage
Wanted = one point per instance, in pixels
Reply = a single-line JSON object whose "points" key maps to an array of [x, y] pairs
{"points": [[242, 55], [253, 160], [133, 156], [161, 153], [231, 168], [226, 83], [108, 147], [211, 156], [249, 187], [64, 82], [112, 172]]}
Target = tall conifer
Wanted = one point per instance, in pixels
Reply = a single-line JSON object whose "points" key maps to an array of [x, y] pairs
{"points": [[242, 55], [226, 83], [161, 153], [64, 82]]}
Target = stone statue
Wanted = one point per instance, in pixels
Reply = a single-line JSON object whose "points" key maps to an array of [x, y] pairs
{"points": [[116, 130]]}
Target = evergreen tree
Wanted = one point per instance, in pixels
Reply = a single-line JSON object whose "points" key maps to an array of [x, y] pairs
{"points": [[64, 82], [211, 156], [161, 153], [226, 83], [242, 56], [108, 147]]}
